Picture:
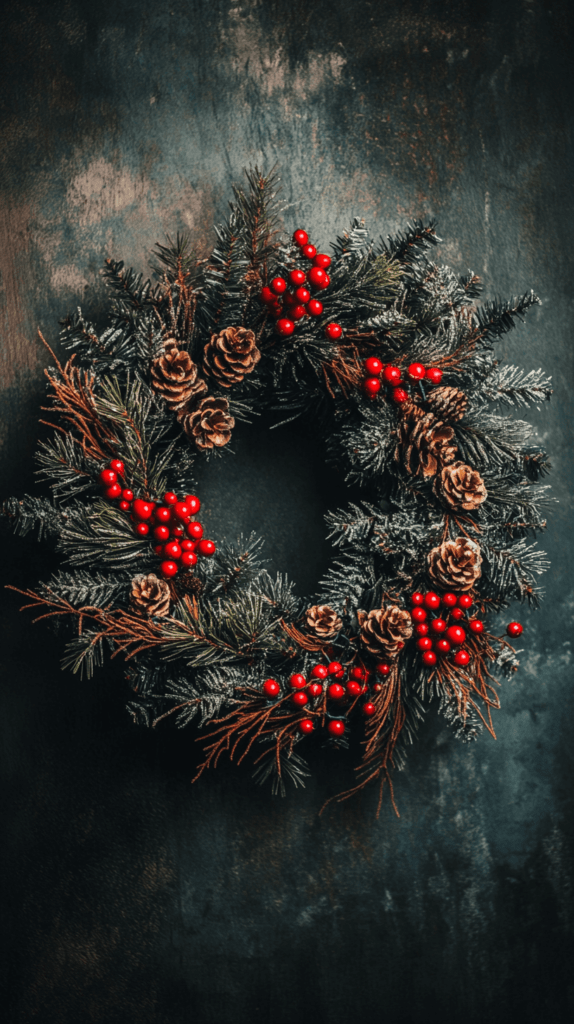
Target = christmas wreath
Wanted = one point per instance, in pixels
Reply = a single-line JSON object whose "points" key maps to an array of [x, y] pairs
{"points": [[394, 359]]}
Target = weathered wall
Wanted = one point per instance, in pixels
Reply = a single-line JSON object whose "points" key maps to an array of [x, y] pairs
{"points": [[129, 896]]}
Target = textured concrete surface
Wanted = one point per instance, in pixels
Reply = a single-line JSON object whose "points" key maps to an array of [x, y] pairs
{"points": [[128, 895]]}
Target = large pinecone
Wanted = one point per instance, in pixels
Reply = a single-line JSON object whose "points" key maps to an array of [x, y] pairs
{"points": [[456, 564], [424, 443], [174, 376], [209, 425], [324, 621], [150, 596], [447, 404], [230, 355], [461, 486], [385, 630]]}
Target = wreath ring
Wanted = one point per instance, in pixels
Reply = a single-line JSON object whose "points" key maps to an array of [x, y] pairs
{"points": [[391, 353]]}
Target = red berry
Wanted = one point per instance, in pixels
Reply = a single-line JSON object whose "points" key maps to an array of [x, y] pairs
{"points": [[317, 277], [161, 533], [418, 615], [354, 689], [378, 687], [309, 251], [267, 296], [429, 658], [298, 312], [172, 550], [400, 396], [314, 689], [306, 726], [417, 598], [108, 477], [336, 727], [170, 498], [514, 629], [125, 506], [314, 307], [187, 545], [334, 668], [299, 698], [383, 669], [162, 514], [438, 625], [194, 530], [456, 613], [465, 601], [371, 386], [297, 277], [142, 509], [271, 688], [432, 601], [193, 503], [300, 237], [368, 709], [285, 327], [178, 532], [188, 558], [335, 691], [456, 634], [333, 331], [357, 673], [442, 646], [168, 569], [181, 511], [117, 466], [113, 492], [373, 366], [142, 529], [425, 643], [433, 374], [279, 285], [322, 260], [127, 495], [461, 658], [449, 600], [297, 681], [319, 672], [303, 295], [391, 375], [158, 549], [416, 371], [206, 548], [476, 626], [421, 629]]}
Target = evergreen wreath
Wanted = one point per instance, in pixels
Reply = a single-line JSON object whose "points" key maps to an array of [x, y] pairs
{"points": [[388, 351]]}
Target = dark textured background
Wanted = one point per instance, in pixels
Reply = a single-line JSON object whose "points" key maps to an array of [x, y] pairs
{"points": [[128, 895]]}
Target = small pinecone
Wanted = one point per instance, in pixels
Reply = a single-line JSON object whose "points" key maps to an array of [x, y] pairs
{"points": [[150, 596], [447, 403], [253, 279], [385, 630], [456, 564], [230, 355], [324, 621], [174, 376], [461, 487], [424, 443], [190, 583], [209, 425]]}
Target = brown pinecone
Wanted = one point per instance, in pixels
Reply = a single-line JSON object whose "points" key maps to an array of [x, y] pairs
{"points": [[190, 583], [230, 355], [424, 442], [324, 621], [456, 564], [174, 376], [150, 596], [447, 403], [209, 424], [385, 630], [461, 487]]}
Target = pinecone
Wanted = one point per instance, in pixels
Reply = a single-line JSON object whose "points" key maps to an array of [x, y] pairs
{"points": [[174, 376], [230, 355], [456, 564], [150, 596], [209, 424], [424, 443], [447, 403], [190, 583], [461, 487], [385, 630], [324, 621]]}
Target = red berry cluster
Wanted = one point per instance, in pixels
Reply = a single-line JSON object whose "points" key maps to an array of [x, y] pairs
{"points": [[112, 487], [326, 680], [443, 634], [392, 376], [289, 305]]}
